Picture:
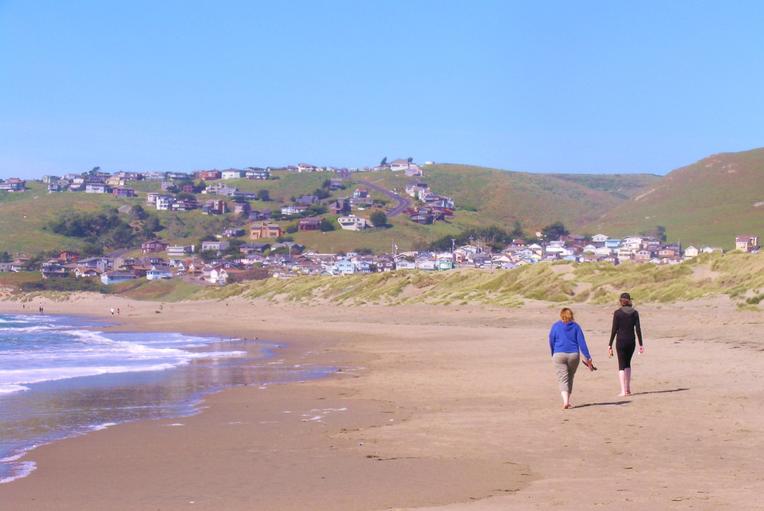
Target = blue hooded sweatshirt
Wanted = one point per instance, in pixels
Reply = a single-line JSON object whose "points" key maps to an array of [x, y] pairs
{"points": [[567, 338]]}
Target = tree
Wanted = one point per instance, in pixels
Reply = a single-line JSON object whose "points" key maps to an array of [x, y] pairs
{"points": [[379, 219], [517, 230], [321, 193], [5, 257], [326, 184], [383, 162], [554, 231], [138, 212], [263, 195], [410, 159], [326, 225]]}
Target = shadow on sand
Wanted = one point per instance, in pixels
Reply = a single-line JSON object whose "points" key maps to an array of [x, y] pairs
{"points": [[679, 389], [606, 403]]}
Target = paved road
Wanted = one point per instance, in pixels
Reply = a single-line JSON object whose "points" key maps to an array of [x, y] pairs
{"points": [[403, 202]]}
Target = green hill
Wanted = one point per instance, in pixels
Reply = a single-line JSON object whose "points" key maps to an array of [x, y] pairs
{"points": [[707, 202]]}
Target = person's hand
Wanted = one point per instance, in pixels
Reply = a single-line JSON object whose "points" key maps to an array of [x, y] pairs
{"points": [[641, 349], [610, 352]]}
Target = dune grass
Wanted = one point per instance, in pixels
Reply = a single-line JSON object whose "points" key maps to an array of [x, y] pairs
{"points": [[739, 276]]}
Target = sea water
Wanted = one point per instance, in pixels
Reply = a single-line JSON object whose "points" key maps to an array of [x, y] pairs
{"points": [[62, 376]]}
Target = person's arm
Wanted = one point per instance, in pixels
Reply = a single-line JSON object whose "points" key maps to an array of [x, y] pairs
{"points": [[638, 328], [613, 330], [582, 343], [551, 340]]}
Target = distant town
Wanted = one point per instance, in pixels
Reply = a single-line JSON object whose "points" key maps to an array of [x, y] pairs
{"points": [[261, 248]]}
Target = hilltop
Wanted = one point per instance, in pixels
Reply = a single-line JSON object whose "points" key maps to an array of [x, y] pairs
{"points": [[707, 202]]}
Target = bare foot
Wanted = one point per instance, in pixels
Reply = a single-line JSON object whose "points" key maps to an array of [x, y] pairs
{"points": [[622, 394], [567, 407]]}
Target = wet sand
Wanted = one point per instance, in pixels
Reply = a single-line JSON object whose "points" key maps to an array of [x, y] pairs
{"points": [[433, 408]]}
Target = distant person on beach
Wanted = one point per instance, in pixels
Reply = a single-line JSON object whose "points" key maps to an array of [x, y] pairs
{"points": [[566, 340], [625, 323], [112, 311]]}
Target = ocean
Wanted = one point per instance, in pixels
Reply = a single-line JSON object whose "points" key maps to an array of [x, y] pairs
{"points": [[63, 376]]}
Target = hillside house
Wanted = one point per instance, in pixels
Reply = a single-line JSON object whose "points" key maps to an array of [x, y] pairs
{"points": [[148, 247], [209, 175], [123, 192], [159, 273], [96, 188], [220, 189], [599, 238], [168, 186], [256, 215], [178, 251], [186, 204], [307, 200], [214, 207], [360, 193], [258, 173], [306, 167], [115, 277], [399, 165], [340, 206], [413, 170], [265, 230], [13, 184], [309, 224], [151, 198], [352, 223], [214, 245], [164, 202], [242, 208], [415, 189], [691, 252], [232, 174], [116, 181], [53, 269], [293, 209], [746, 243]]}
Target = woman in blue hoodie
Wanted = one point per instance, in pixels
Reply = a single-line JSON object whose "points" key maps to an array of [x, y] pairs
{"points": [[566, 340]]}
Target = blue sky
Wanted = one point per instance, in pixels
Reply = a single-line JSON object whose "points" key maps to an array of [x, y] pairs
{"points": [[537, 86]]}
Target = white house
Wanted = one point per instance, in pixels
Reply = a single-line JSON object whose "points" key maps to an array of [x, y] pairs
{"points": [[599, 238], [399, 165], [164, 202], [352, 223], [216, 245], [232, 174], [217, 276], [691, 252], [158, 274], [96, 188], [179, 250]]}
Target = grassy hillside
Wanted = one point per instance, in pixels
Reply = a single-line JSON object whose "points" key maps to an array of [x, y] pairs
{"points": [[707, 202], [536, 200], [23, 216]]}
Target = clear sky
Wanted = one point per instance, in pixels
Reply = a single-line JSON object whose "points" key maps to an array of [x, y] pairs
{"points": [[609, 86]]}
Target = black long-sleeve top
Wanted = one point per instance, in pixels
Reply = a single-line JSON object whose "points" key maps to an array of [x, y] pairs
{"points": [[625, 322]]}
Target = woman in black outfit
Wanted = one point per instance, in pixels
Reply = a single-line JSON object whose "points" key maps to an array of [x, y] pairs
{"points": [[625, 323]]}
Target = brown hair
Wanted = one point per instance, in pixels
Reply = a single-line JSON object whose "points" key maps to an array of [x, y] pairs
{"points": [[566, 315]]}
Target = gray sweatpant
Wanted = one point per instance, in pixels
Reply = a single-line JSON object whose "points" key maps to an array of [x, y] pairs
{"points": [[565, 365]]}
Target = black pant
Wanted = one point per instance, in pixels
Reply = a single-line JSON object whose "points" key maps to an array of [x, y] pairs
{"points": [[625, 349]]}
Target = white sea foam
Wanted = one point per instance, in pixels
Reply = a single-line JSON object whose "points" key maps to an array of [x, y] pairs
{"points": [[10, 388], [99, 427], [20, 469]]}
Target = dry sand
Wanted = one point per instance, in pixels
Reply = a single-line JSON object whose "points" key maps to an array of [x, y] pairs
{"points": [[438, 408]]}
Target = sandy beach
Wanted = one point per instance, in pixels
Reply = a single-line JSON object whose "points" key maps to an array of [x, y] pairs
{"points": [[437, 408]]}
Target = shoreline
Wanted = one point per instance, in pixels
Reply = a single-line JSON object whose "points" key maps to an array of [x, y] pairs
{"points": [[433, 408]]}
